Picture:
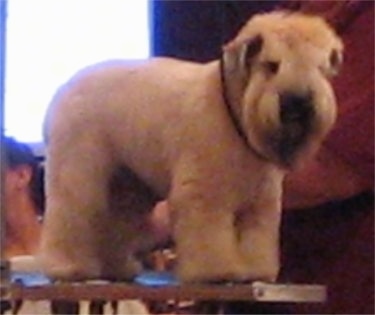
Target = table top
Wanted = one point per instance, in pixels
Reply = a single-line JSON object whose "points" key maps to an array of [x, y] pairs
{"points": [[161, 286]]}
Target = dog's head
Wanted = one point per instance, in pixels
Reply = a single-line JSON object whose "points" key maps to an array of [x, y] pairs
{"points": [[277, 75]]}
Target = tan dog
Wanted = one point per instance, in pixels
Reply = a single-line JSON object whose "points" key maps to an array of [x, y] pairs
{"points": [[214, 139]]}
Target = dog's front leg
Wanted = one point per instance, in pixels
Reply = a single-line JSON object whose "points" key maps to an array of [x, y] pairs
{"points": [[258, 230], [206, 242]]}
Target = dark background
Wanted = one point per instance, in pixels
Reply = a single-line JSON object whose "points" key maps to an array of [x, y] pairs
{"points": [[196, 30]]}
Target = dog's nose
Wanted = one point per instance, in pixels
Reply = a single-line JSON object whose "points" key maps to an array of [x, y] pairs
{"points": [[295, 108]]}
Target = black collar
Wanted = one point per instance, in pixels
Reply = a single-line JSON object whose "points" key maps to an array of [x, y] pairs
{"points": [[235, 120]]}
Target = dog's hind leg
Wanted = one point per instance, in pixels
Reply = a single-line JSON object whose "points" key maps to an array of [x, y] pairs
{"points": [[76, 217], [96, 217]]}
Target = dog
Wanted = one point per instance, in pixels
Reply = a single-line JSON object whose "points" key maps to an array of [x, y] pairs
{"points": [[215, 140]]}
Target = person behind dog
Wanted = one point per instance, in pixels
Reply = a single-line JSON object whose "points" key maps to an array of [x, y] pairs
{"points": [[331, 241], [345, 164], [24, 199], [24, 206]]}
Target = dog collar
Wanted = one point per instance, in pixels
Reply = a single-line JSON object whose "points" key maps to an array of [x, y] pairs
{"points": [[236, 122]]}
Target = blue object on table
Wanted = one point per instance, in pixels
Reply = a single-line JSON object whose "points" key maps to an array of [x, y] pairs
{"points": [[156, 279], [147, 278], [29, 279]]}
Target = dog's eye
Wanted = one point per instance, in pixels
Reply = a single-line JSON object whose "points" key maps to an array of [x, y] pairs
{"points": [[271, 67]]}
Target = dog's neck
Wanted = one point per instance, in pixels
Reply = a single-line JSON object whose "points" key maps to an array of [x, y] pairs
{"points": [[233, 113]]}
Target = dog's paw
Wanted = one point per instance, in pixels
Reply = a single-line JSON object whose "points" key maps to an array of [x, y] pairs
{"points": [[122, 270], [212, 272], [69, 271], [223, 272]]}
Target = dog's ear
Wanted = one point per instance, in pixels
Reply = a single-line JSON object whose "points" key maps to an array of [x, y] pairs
{"points": [[238, 57], [236, 64], [251, 50]]}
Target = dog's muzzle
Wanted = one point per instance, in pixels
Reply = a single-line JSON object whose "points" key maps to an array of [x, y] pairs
{"points": [[296, 114], [295, 108]]}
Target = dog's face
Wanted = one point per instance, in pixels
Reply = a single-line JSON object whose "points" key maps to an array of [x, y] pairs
{"points": [[278, 76]]}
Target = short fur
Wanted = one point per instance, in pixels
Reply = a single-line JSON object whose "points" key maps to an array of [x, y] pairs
{"points": [[121, 136]]}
